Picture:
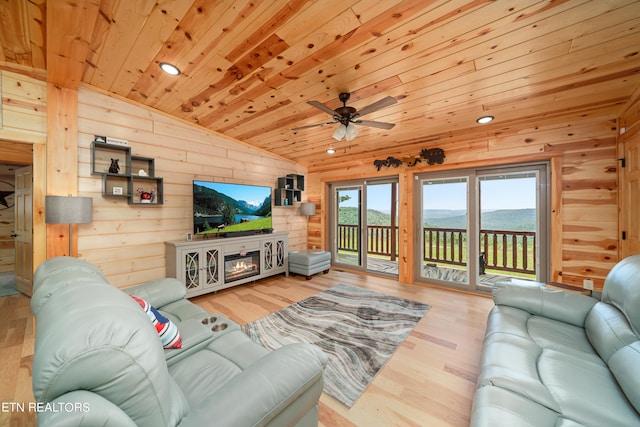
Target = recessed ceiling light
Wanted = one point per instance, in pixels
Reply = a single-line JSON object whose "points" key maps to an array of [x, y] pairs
{"points": [[169, 68], [330, 150], [484, 119]]}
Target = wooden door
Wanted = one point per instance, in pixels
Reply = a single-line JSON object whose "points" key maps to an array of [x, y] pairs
{"points": [[24, 229], [630, 198]]}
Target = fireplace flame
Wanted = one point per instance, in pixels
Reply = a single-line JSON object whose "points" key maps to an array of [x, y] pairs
{"points": [[241, 266]]}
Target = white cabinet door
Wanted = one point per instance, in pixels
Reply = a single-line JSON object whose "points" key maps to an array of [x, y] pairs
{"points": [[201, 269], [274, 255]]}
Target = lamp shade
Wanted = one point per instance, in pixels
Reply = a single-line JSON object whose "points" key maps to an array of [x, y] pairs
{"points": [[307, 208], [340, 132], [351, 133], [68, 209]]}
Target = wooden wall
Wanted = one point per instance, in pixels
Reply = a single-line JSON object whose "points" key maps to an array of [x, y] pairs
{"points": [[126, 241], [582, 155], [24, 109]]}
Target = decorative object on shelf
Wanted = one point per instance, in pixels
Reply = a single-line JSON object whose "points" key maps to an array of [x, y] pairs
{"points": [[430, 155], [117, 191], [68, 210], [141, 172], [115, 167], [146, 196]]}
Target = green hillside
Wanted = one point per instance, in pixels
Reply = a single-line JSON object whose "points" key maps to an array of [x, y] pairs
{"points": [[507, 219], [349, 215]]}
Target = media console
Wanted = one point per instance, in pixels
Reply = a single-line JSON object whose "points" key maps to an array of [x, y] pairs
{"points": [[211, 265]]}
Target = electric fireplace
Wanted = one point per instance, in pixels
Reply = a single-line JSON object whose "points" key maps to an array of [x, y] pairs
{"points": [[239, 266]]}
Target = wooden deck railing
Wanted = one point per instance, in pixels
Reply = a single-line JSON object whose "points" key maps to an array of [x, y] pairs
{"points": [[380, 240], [502, 250]]}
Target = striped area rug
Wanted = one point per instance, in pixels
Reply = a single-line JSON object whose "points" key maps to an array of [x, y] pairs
{"points": [[358, 329]]}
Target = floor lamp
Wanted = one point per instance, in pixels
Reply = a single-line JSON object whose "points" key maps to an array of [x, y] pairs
{"points": [[68, 210], [307, 208]]}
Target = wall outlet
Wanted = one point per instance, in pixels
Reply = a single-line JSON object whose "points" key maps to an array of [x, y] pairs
{"points": [[587, 284]]}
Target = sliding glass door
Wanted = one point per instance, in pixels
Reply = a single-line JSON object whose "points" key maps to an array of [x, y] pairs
{"points": [[479, 227], [364, 225], [348, 215], [444, 231]]}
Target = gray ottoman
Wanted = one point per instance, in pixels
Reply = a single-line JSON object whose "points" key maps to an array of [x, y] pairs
{"points": [[309, 262]]}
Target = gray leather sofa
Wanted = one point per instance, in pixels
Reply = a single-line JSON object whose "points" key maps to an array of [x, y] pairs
{"points": [[554, 358], [99, 360]]}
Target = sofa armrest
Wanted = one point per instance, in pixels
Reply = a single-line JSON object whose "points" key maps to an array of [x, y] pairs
{"points": [[537, 299], [289, 377], [83, 409], [159, 292]]}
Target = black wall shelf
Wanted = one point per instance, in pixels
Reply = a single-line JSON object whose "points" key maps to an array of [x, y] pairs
{"points": [[133, 178], [289, 190]]}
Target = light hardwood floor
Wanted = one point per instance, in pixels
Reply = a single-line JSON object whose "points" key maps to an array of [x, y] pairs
{"points": [[430, 380]]}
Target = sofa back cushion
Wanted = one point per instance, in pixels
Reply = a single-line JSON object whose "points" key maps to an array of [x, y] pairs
{"points": [[56, 273], [608, 330], [622, 289], [624, 365], [91, 336]]}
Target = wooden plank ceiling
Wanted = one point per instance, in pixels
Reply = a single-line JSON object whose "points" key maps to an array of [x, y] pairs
{"points": [[250, 66]]}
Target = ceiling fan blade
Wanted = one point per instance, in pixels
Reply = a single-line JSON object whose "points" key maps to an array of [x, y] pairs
{"points": [[383, 103], [379, 125], [313, 126], [321, 106]]}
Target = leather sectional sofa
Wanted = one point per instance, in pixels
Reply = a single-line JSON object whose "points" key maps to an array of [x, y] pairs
{"points": [[554, 358], [99, 360]]}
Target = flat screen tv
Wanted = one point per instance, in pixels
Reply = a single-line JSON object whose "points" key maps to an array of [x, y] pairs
{"points": [[221, 209]]}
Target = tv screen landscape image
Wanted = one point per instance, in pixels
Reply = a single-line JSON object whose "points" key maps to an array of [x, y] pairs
{"points": [[221, 208]]}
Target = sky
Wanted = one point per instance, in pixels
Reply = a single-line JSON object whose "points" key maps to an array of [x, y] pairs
{"points": [[496, 193], [515, 193]]}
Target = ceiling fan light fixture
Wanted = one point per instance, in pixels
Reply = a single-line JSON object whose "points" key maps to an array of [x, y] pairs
{"points": [[485, 119], [331, 150], [351, 133], [340, 133], [170, 68]]}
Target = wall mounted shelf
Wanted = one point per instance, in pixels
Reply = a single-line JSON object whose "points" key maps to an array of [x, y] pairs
{"points": [[123, 174], [289, 190]]}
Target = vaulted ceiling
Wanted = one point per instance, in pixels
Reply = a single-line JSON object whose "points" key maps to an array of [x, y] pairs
{"points": [[249, 67]]}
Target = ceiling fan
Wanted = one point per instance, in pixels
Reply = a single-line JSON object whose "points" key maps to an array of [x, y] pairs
{"points": [[349, 116]]}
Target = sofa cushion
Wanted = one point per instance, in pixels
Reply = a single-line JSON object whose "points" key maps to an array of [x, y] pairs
{"points": [[537, 299], [167, 330], [499, 407], [608, 330], [160, 292], [58, 273], [625, 365], [622, 289], [276, 390]]}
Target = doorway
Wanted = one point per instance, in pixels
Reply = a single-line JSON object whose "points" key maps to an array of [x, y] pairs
{"points": [[10, 222], [19, 251], [364, 225], [482, 226]]}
